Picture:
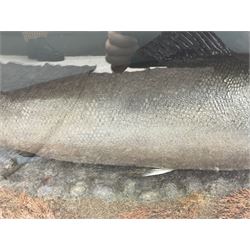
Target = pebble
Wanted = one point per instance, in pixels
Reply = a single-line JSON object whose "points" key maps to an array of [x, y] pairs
{"points": [[149, 196], [79, 189], [170, 192], [103, 192], [129, 188]]}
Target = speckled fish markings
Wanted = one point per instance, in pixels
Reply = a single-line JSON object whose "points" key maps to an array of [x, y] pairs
{"points": [[177, 118]]}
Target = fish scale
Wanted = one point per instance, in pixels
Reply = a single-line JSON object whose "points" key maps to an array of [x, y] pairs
{"points": [[177, 118]]}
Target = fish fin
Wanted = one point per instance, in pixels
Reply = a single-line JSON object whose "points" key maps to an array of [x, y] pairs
{"points": [[181, 49], [157, 171]]}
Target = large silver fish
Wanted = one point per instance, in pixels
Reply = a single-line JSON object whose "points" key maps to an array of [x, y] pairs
{"points": [[178, 118]]}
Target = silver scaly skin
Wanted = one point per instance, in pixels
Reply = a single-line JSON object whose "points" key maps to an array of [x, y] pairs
{"points": [[177, 118]]}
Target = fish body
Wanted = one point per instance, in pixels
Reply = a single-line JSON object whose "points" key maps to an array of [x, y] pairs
{"points": [[177, 118]]}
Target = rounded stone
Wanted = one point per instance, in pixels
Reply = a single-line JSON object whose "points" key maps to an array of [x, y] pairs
{"points": [[50, 172], [78, 189], [171, 192], [149, 196], [129, 188], [104, 192], [6, 166], [44, 191], [193, 185], [221, 187], [51, 191]]}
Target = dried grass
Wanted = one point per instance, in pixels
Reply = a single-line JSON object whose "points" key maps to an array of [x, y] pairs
{"points": [[191, 207], [196, 205], [235, 205], [19, 205]]}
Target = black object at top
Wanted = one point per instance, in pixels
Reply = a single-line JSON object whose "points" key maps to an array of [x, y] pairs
{"points": [[181, 49]]}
